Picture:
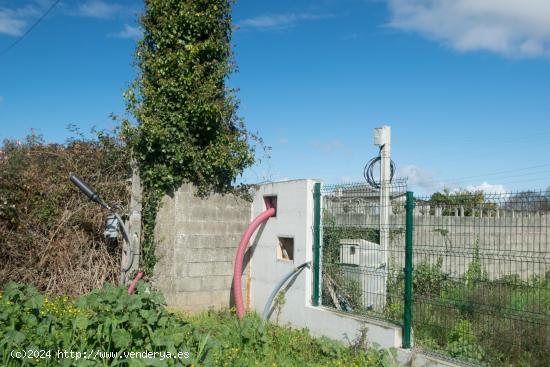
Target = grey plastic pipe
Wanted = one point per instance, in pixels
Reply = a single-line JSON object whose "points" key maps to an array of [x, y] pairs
{"points": [[280, 285], [127, 238]]}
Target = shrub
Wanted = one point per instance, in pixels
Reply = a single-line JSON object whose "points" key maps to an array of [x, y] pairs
{"points": [[51, 234], [463, 342], [106, 320], [429, 279], [111, 321]]}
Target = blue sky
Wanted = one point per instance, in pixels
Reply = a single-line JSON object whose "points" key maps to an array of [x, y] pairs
{"points": [[465, 85]]}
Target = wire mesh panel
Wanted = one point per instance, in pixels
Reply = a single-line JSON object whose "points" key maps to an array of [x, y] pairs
{"points": [[481, 279], [362, 249]]}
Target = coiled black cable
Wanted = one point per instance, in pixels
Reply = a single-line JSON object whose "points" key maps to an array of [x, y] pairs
{"points": [[368, 171]]}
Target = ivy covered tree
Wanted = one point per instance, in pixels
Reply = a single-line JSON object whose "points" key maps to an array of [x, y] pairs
{"points": [[187, 124]]}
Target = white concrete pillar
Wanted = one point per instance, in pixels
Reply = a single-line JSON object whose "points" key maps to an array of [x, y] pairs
{"points": [[385, 202]]}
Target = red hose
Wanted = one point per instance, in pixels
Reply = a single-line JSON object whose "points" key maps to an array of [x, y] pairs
{"points": [[134, 282], [238, 271]]}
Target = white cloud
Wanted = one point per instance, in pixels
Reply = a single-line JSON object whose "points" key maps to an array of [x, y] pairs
{"points": [[515, 28], [128, 32], [11, 26], [1, 100], [13, 21], [280, 21], [98, 9], [487, 188], [283, 141], [418, 176], [327, 147]]}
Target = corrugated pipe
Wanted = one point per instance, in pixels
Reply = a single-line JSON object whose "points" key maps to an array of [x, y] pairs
{"points": [[280, 285], [135, 282], [238, 270]]}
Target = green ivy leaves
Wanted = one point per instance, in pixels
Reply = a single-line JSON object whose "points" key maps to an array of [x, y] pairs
{"points": [[188, 129]]}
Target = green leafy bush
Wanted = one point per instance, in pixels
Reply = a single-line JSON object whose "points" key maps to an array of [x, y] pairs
{"points": [[254, 342], [429, 279], [106, 320], [111, 321], [463, 342]]}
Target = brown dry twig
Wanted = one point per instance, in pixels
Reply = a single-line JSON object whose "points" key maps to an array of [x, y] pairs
{"points": [[50, 234]]}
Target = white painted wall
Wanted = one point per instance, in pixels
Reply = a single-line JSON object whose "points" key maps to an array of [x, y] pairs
{"points": [[295, 219]]}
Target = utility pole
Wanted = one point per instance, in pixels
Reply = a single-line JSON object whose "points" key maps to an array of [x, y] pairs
{"points": [[134, 226], [382, 138]]}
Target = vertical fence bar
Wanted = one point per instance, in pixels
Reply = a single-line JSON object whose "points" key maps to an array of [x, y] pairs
{"points": [[316, 242], [408, 270]]}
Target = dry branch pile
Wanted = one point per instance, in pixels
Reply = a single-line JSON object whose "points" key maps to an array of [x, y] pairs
{"points": [[50, 234]]}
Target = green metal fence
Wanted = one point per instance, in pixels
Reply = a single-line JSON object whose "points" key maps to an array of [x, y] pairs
{"points": [[468, 273], [482, 277], [362, 261]]}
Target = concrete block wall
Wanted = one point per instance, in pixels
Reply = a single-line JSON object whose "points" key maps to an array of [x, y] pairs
{"points": [[196, 243], [507, 244]]}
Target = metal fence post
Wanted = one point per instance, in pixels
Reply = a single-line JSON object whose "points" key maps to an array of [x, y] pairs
{"points": [[316, 242], [408, 271]]}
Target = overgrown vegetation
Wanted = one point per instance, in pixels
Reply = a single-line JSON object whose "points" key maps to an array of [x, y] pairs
{"points": [[188, 129], [50, 234], [341, 287], [501, 322], [467, 316], [111, 321]]}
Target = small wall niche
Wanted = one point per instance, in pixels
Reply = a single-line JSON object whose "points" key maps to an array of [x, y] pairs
{"points": [[271, 202], [285, 249]]}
